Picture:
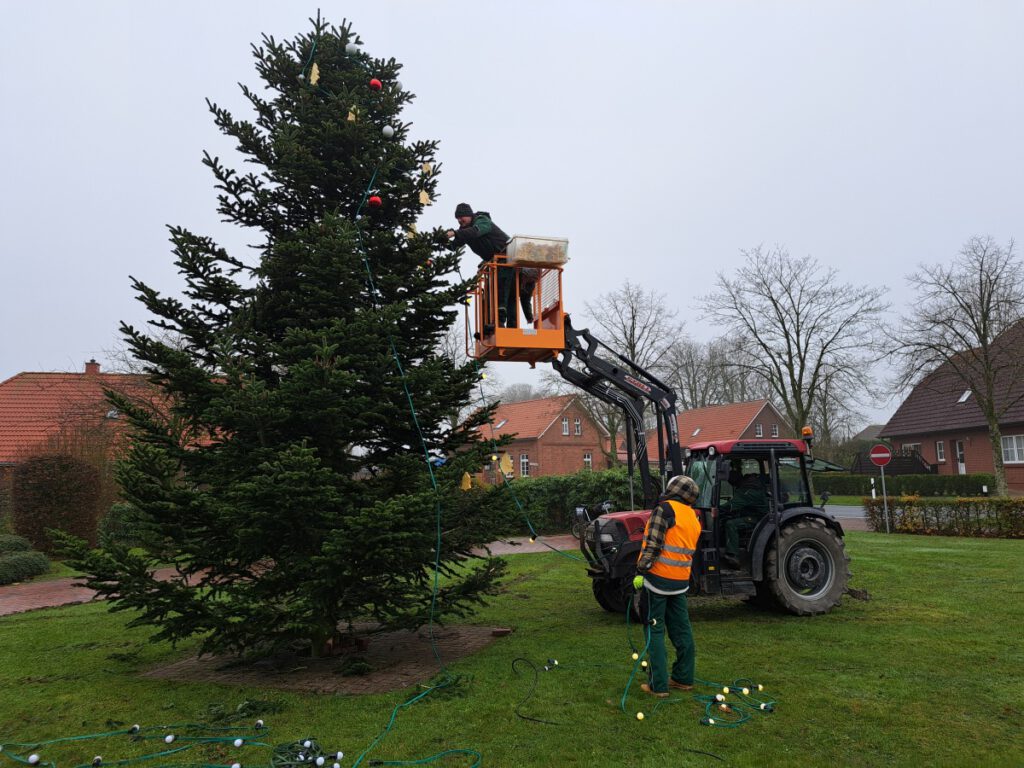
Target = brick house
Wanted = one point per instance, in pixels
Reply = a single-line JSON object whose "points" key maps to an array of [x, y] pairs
{"points": [[941, 420], [553, 436], [733, 421], [44, 411]]}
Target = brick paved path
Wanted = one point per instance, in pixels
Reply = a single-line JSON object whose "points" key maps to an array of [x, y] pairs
{"points": [[16, 598]]}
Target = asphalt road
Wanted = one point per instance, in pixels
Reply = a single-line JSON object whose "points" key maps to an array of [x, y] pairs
{"points": [[850, 517]]}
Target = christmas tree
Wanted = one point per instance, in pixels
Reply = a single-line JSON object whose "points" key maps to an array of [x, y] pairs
{"points": [[290, 468]]}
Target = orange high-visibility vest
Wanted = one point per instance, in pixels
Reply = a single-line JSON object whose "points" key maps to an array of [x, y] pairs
{"points": [[676, 556]]}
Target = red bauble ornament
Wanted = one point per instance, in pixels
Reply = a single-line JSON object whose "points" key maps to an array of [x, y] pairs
{"points": [[376, 84], [375, 201]]}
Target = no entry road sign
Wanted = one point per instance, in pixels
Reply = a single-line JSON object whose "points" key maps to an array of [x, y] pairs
{"points": [[880, 455]]}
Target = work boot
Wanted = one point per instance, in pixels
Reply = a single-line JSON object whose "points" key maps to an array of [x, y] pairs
{"points": [[656, 694], [502, 317], [680, 686]]}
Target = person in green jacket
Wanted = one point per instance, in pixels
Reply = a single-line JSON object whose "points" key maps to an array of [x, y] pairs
{"points": [[487, 240]]}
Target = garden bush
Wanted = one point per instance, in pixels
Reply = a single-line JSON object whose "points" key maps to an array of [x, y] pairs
{"points": [[18, 566], [843, 484], [55, 491], [549, 502], [11, 543], [979, 516], [121, 526]]}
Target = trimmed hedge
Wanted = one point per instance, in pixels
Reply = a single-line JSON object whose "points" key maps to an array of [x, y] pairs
{"points": [[11, 543], [55, 491], [984, 517], [18, 566], [842, 484], [549, 502]]}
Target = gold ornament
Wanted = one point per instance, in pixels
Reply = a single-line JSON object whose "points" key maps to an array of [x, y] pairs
{"points": [[425, 197], [314, 74], [506, 464], [426, 167], [467, 482], [352, 114]]}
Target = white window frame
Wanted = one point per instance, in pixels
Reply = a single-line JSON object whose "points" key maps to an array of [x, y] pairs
{"points": [[758, 430], [565, 425], [524, 465], [775, 430], [1016, 453], [577, 426], [588, 460], [940, 451]]}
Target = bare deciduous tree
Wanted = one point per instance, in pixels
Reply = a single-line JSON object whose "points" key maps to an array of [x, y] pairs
{"points": [[799, 330], [519, 391], [709, 373], [966, 323], [642, 327]]}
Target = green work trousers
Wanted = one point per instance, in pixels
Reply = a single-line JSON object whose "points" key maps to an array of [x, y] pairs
{"points": [[669, 613]]}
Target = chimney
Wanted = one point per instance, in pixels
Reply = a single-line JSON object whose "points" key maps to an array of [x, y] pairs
{"points": [[92, 368]]}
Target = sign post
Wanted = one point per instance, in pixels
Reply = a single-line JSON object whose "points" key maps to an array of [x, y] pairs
{"points": [[881, 455]]}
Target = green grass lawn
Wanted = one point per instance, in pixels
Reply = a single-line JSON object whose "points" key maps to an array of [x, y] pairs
{"points": [[930, 671]]}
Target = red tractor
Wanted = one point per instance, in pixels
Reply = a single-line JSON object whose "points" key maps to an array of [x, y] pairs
{"points": [[762, 536]]}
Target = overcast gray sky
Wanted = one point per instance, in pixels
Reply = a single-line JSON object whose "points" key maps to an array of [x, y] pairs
{"points": [[661, 138]]}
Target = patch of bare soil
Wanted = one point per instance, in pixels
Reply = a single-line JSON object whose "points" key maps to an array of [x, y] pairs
{"points": [[390, 661]]}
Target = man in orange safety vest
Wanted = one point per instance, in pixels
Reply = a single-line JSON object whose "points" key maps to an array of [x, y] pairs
{"points": [[663, 572]]}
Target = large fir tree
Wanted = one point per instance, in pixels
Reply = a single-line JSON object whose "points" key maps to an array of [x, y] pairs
{"points": [[286, 473]]}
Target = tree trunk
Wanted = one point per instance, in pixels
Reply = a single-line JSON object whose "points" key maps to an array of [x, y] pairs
{"points": [[996, 438]]}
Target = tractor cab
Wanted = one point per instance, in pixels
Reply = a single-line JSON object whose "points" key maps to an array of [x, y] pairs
{"points": [[751, 491], [514, 311]]}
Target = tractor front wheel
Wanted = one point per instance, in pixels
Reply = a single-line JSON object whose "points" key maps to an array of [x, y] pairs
{"points": [[613, 594], [815, 568]]}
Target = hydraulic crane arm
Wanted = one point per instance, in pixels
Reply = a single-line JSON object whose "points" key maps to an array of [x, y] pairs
{"points": [[625, 384]]}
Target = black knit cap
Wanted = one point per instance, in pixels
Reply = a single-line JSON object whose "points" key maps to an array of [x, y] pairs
{"points": [[463, 209]]}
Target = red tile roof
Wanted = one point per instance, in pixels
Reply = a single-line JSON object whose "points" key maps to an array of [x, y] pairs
{"points": [[34, 406], [719, 422], [527, 419]]}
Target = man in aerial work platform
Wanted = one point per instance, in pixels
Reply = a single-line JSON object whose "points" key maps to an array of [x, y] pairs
{"points": [[486, 240]]}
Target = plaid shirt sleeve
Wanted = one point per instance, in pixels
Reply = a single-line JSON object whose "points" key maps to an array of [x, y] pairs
{"points": [[654, 540]]}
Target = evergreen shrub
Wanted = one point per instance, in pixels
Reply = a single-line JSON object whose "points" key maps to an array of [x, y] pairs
{"points": [[120, 526], [979, 516], [10, 542], [549, 502], [18, 566]]}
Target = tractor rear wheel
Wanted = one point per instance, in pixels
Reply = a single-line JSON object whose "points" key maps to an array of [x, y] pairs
{"points": [[815, 568]]}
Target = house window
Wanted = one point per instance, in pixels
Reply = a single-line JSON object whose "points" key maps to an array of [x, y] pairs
{"points": [[911, 447], [524, 465], [964, 396], [940, 450], [758, 430], [578, 426], [1013, 449], [775, 430], [565, 425], [696, 432], [588, 460]]}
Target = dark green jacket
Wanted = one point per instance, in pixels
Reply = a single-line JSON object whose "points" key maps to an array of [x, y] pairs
{"points": [[483, 236]]}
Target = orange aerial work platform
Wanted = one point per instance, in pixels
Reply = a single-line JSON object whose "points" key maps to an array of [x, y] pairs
{"points": [[515, 309]]}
